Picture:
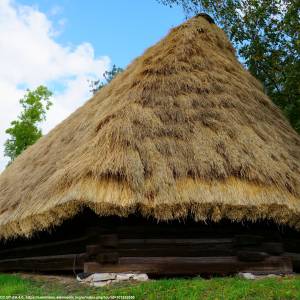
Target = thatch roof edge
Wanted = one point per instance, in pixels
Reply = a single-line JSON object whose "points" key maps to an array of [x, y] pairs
{"points": [[268, 204]]}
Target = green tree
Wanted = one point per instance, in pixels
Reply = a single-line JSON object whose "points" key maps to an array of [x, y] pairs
{"points": [[25, 131], [266, 35], [108, 77]]}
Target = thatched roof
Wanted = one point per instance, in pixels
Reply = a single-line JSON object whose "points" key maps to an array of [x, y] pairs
{"points": [[185, 130]]}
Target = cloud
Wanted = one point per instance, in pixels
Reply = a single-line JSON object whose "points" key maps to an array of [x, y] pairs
{"points": [[56, 10], [31, 56]]}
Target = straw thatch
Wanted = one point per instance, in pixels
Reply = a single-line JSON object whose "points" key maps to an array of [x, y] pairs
{"points": [[185, 130]]}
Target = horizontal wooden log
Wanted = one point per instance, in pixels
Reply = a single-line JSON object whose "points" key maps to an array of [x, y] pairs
{"points": [[172, 251], [292, 245], [275, 248], [67, 262], [251, 255], [109, 240], [189, 247], [94, 250], [180, 251], [166, 247], [193, 265], [247, 240], [295, 257], [45, 249], [270, 248], [174, 241], [108, 258]]}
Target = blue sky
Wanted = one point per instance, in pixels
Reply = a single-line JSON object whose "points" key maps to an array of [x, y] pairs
{"points": [[120, 29], [64, 44]]}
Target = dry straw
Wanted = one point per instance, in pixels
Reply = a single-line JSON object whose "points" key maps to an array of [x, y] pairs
{"points": [[185, 130]]}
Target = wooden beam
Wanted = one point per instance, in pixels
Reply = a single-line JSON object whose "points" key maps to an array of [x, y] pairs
{"points": [[44, 263], [251, 255], [52, 248], [177, 251], [295, 257], [175, 241], [108, 258], [275, 248], [292, 245], [109, 240], [193, 265], [247, 240]]}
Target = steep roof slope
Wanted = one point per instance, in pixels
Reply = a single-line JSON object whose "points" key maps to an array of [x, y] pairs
{"points": [[185, 130]]}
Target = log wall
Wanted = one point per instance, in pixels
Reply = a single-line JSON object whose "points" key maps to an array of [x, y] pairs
{"points": [[92, 244]]}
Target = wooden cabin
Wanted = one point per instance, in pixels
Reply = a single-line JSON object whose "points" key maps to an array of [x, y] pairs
{"points": [[113, 244], [181, 165]]}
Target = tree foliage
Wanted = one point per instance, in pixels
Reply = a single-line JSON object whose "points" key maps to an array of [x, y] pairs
{"points": [[266, 34], [25, 131], [108, 77]]}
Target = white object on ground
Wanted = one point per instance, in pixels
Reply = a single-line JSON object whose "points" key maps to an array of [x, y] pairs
{"points": [[102, 279], [101, 283], [247, 275]]}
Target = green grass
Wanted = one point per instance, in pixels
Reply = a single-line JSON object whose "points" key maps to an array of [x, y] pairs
{"points": [[217, 288]]}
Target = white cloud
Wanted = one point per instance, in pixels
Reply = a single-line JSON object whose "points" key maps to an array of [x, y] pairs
{"points": [[30, 56], [56, 10]]}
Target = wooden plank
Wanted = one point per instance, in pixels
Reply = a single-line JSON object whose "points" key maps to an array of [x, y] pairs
{"points": [[251, 255], [101, 255], [295, 257], [108, 258], [292, 245], [44, 263], [181, 251], [109, 240], [275, 248], [167, 247], [52, 248], [193, 265], [189, 247], [94, 250], [247, 240], [174, 241], [270, 247], [202, 247]]}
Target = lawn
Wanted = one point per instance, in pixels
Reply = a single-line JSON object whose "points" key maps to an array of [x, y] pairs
{"points": [[217, 288]]}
